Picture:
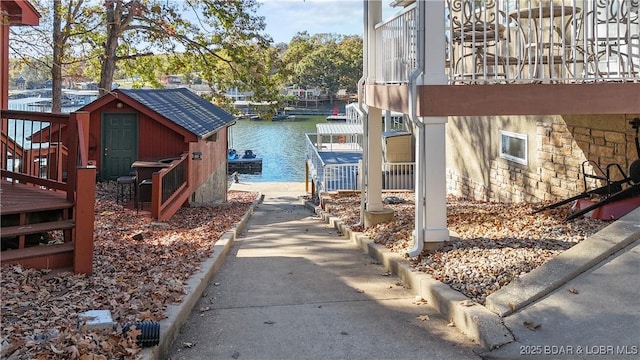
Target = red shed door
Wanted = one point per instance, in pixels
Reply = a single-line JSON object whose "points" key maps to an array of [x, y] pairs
{"points": [[119, 144]]}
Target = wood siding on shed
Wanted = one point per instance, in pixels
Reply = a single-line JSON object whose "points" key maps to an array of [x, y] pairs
{"points": [[214, 155], [154, 140]]}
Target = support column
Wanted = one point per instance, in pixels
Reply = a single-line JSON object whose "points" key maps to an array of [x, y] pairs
{"points": [[374, 161], [375, 212], [434, 180], [434, 157], [388, 121], [431, 191], [4, 69]]}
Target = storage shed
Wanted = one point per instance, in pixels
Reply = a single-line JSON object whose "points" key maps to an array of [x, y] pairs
{"points": [[397, 147], [184, 135]]}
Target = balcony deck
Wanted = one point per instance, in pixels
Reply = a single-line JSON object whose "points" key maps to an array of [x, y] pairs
{"points": [[504, 57]]}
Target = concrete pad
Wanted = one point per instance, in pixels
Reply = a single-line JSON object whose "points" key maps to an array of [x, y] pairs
{"points": [[598, 319], [317, 331], [335, 291], [566, 266]]}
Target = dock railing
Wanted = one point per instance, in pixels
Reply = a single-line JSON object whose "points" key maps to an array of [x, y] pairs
{"points": [[332, 177]]}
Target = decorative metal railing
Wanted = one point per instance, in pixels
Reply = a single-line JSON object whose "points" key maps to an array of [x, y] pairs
{"points": [[524, 41], [356, 116]]}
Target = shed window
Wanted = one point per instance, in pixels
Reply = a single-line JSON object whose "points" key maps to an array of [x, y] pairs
{"points": [[513, 147], [213, 137]]}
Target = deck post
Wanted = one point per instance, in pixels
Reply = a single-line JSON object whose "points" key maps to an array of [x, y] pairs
{"points": [[374, 163], [306, 177], [156, 195], [84, 218]]}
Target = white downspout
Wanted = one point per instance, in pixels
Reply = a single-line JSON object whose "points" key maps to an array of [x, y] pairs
{"points": [[418, 232]]}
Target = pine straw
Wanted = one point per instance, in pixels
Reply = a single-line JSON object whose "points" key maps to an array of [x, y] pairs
{"points": [[140, 267]]}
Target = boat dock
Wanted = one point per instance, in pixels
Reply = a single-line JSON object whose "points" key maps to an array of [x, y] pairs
{"points": [[249, 163], [245, 166]]}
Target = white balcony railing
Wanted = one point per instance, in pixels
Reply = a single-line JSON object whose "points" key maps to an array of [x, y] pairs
{"points": [[345, 176], [523, 41]]}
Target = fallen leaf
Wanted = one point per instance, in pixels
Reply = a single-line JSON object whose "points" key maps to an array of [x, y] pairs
{"points": [[56, 351], [133, 333], [424, 317], [531, 325], [359, 291], [451, 324], [512, 306], [188, 344], [467, 303], [573, 290]]}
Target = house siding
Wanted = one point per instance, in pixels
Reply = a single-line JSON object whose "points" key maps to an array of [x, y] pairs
{"points": [[156, 141], [558, 146]]}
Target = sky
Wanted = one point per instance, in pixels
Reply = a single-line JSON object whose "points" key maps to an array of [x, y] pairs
{"points": [[285, 18]]}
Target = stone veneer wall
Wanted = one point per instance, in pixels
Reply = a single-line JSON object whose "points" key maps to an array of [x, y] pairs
{"points": [[213, 191], [556, 171]]}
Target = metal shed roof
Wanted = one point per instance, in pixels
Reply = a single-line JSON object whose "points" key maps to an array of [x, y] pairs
{"points": [[339, 128], [184, 108]]}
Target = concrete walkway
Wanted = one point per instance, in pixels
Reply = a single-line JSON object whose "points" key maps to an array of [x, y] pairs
{"points": [[292, 287]]}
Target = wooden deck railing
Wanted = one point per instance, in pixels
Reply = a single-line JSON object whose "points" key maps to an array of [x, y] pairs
{"points": [[46, 152], [169, 188]]}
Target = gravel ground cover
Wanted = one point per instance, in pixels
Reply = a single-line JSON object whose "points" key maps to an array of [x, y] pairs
{"points": [[491, 243], [140, 267]]}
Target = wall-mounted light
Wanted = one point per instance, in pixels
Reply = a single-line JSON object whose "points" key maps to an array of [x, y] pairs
{"points": [[197, 155], [119, 105]]}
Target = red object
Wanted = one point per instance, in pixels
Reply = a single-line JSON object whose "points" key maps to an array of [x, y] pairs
{"points": [[335, 110], [610, 211]]}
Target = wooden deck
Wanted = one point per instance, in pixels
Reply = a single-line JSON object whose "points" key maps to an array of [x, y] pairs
{"points": [[19, 198], [20, 205]]}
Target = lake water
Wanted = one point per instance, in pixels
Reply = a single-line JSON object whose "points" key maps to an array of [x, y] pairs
{"points": [[280, 144]]}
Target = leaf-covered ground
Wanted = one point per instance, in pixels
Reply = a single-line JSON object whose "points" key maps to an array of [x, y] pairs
{"points": [[140, 267], [492, 243]]}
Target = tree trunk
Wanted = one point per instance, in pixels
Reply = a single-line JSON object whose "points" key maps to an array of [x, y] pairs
{"points": [[56, 68], [109, 57]]}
